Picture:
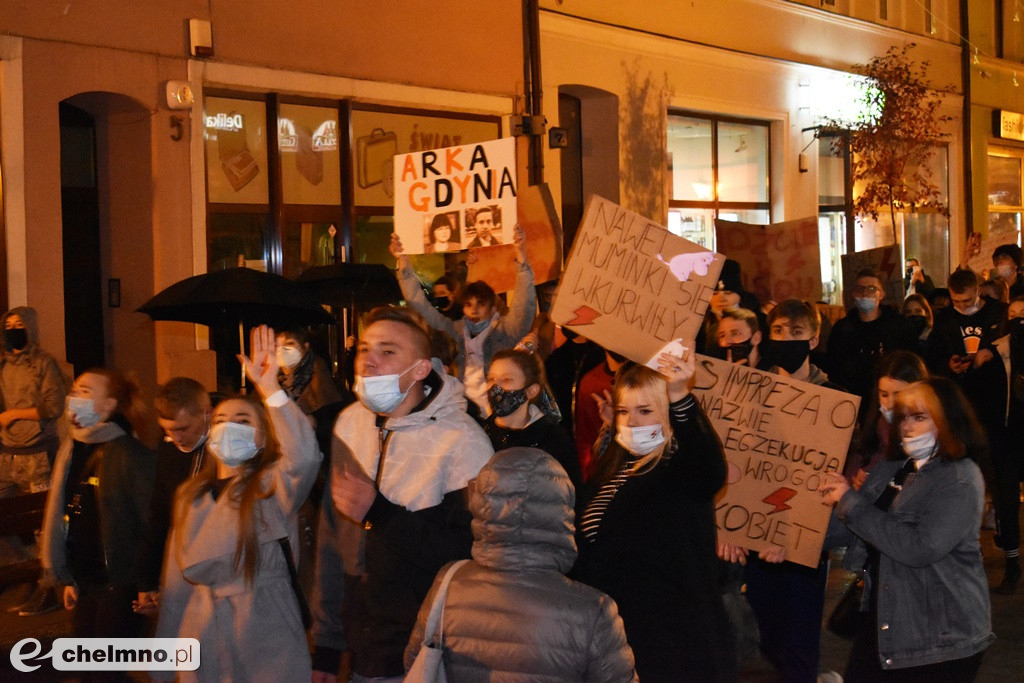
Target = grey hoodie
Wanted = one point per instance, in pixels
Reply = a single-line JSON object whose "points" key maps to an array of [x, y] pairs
{"points": [[30, 379]]}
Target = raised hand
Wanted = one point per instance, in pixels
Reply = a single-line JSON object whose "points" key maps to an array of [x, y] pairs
{"points": [[679, 373], [261, 365], [398, 251], [519, 239]]}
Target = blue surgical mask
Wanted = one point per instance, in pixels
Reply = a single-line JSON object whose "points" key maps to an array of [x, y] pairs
{"points": [[83, 410], [640, 440], [477, 327], [382, 393], [886, 413], [233, 443], [865, 305]]}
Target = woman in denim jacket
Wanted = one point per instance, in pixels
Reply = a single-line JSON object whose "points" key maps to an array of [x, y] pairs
{"points": [[916, 520]]}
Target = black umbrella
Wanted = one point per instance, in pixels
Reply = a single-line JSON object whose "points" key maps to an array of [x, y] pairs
{"points": [[241, 296], [237, 296], [350, 284]]}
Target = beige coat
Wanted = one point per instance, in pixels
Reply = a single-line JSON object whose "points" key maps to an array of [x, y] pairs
{"points": [[245, 633]]}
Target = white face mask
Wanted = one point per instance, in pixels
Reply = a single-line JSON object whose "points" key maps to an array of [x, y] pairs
{"points": [[198, 444], [381, 394], [1005, 272], [233, 443], [886, 413], [83, 410], [970, 310], [288, 357], [920, 447], [639, 440]]}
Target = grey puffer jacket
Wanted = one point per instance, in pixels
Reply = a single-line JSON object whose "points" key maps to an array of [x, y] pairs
{"points": [[510, 613]]}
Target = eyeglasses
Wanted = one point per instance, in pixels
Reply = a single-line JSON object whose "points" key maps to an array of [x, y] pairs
{"points": [[870, 289]]}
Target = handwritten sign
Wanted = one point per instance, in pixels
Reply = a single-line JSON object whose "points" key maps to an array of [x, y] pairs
{"points": [[780, 437], [456, 198], [889, 264], [632, 286], [777, 261]]}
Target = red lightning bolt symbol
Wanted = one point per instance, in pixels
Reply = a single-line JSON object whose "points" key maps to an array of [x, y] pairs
{"points": [[887, 266], [778, 498], [584, 316]]}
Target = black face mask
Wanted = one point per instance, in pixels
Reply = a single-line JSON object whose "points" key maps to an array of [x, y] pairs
{"points": [[442, 302], [918, 322], [788, 355], [1016, 327], [740, 351], [15, 339], [504, 403]]}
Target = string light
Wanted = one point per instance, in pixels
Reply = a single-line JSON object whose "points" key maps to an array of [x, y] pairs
{"points": [[976, 55], [1015, 83]]}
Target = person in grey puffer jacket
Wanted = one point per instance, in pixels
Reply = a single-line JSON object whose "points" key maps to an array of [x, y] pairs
{"points": [[523, 543]]}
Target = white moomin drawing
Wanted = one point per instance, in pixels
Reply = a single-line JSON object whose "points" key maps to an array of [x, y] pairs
{"points": [[683, 265]]}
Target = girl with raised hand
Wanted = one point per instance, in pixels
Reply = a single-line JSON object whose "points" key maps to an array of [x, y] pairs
{"points": [[230, 569]]}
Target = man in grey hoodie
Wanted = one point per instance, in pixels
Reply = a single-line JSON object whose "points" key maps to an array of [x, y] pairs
{"points": [[32, 391]]}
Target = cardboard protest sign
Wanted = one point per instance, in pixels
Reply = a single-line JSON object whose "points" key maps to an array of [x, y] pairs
{"points": [[777, 261], [632, 286], [496, 265], [456, 198], [982, 261], [889, 264], [780, 437]]}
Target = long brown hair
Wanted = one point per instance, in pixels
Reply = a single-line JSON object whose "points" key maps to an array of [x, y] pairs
{"points": [[959, 434], [244, 489]]}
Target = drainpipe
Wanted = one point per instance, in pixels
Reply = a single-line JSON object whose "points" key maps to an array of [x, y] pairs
{"points": [[533, 87], [965, 77]]}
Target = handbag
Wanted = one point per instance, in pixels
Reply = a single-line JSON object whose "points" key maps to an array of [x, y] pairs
{"points": [[845, 618], [428, 667]]}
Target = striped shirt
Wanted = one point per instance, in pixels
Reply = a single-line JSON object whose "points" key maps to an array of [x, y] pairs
{"points": [[590, 520]]}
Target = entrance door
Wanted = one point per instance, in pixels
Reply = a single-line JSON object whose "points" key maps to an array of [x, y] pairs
{"points": [[83, 298]]}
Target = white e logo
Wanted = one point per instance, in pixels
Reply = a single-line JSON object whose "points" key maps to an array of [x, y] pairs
{"points": [[18, 657]]}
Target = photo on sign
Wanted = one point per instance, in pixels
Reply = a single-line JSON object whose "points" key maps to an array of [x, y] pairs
{"points": [[484, 227], [442, 233]]}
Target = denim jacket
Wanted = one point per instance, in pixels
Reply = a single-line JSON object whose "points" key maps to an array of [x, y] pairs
{"points": [[933, 603]]}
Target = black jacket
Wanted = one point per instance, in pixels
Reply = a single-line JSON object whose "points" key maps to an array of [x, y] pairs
{"points": [[655, 554], [984, 386], [855, 347], [172, 468], [545, 434]]}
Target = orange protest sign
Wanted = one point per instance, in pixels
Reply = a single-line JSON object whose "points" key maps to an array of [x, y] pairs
{"points": [[777, 261]]}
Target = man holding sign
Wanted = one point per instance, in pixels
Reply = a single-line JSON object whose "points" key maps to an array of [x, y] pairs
{"points": [[782, 433]]}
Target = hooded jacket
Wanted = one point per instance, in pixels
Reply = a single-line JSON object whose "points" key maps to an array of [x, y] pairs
{"points": [[418, 521], [522, 504], [30, 379]]}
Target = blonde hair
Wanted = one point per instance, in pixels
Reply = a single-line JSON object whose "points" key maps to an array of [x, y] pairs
{"points": [[244, 490], [653, 390]]}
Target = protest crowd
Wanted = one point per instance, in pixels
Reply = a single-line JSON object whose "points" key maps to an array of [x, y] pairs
{"points": [[497, 489]]}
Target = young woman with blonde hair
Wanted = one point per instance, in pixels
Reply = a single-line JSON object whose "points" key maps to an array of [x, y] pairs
{"points": [[647, 534], [229, 574]]}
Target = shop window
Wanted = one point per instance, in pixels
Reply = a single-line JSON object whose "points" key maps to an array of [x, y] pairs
{"points": [[236, 151], [1005, 193], [719, 168]]}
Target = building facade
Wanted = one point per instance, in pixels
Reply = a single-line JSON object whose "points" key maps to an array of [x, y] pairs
{"points": [[144, 143]]}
